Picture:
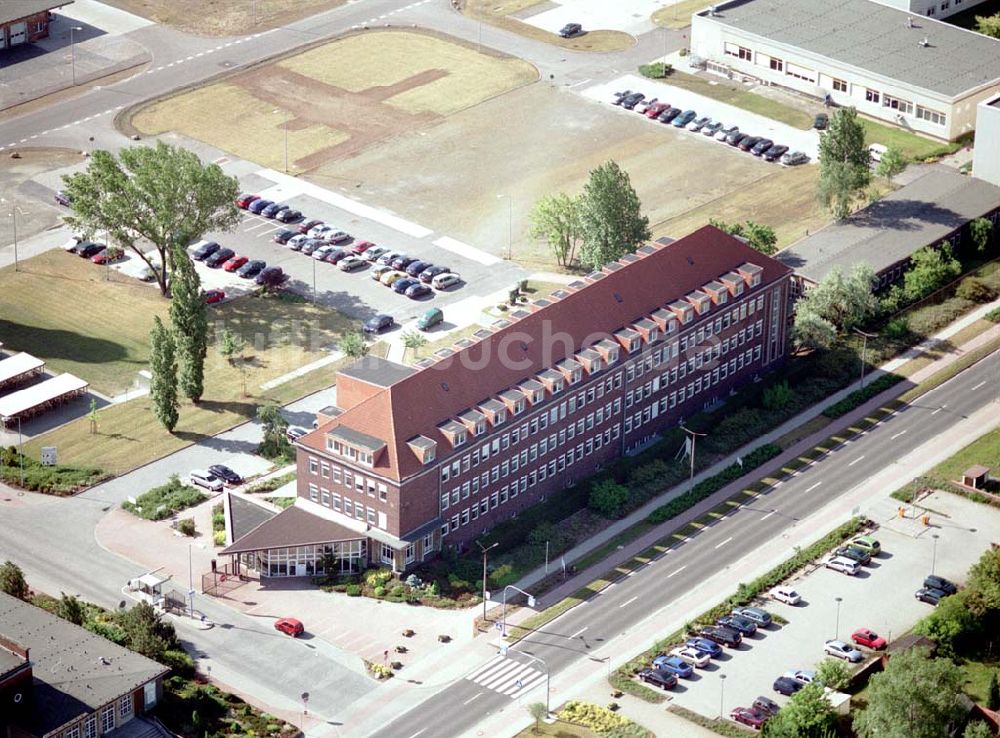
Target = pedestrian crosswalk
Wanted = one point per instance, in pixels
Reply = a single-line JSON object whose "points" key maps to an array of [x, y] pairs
{"points": [[507, 675]]}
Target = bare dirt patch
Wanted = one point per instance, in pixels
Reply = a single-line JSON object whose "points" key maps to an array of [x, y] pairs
{"points": [[502, 13], [34, 214], [224, 17]]}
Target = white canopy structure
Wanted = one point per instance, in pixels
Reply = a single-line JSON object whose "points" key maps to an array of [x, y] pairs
{"points": [[40, 397], [18, 368]]}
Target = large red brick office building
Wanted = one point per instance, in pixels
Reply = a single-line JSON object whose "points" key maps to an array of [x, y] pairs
{"points": [[416, 458]]}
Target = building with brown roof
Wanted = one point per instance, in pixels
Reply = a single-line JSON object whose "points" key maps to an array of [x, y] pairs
{"points": [[422, 457]]}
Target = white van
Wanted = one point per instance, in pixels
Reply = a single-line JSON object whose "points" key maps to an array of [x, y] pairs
{"points": [[875, 152], [202, 478], [843, 565]]}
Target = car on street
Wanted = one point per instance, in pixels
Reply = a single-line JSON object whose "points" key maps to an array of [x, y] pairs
{"points": [[745, 626], [227, 475], [786, 686], [684, 118], [415, 268], [855, 554], [88, 249], [712, 128], [273, 209], [761, 617], [935, 582], [786, 594], [675, 665], [692, 656], [766, 705], [930, 595], [705, 645], [748, 716], [801, 676], [378, 323], [793, 158], [669, 115], [295, 243], [360, 247], [698, 123], [235, 262], [351, 263], [570, 30], [374, 253], [662, 679], [869, 544], [446, 281], [869, 639], [774, 153], [632, 100], [655, 109], [428, 274], [721, 635], [258, 205], [748, 143], [288, 215], [821, 121], [761, 146], [283, 236], [246, 199], [204, 249], [417, 290], [307, 225], [724, 133], [843, 650], [400, 285], [843, 565], [205, 478], [271, 276], [219, 258], [108, 256], [212, 297], [62, 198], [289, 626], [295, 432], [736, 138], [251, 269]]}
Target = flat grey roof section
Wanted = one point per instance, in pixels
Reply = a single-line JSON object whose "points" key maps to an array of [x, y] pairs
{"points": [[378, 371], [873, 37], [890, 230], [12, 11]]}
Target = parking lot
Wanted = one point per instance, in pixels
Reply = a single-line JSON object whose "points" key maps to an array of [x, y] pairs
{"points": [[880, 598]]}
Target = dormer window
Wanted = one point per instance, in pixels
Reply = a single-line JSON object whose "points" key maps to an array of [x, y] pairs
{"points": [[455, 432], [500, 418], [557, 387], [424, 448], [576, 376], [518, 407], [459, 439], [354, 445], [751, 273], [480, 427], [537, 396]]}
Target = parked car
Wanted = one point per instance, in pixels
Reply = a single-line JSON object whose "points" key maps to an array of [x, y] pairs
{"points": [[786, 686], [337, 237], [219, 258], [108, 256], [869, 544], [295, 432], [821, 121], [766, 705], [643, 106], [205, 478], [246, 199], [283, 236], [786, 594], [273, 209], [389, 256], [721, 635], [669, 115], [655, 109], [620, 96], [570, 30], [271, 276], [361, 247], [843, 650], [417, 290], [87, 249], [379, 271], [391, 277], [295, 243], [251, 269], [204, 249], [793, 158], [712, 128], [402, 261], [235, 263], [933, 581], [400, 285], [869, 639], [724, 133], [320, 253], [351, 263], [745, 626], [415, 268], [62, 198], [428, 274], [855, 554], [378, 323], [736, 138], [632, 100], [289, 626], [774, 153], [843, 565], [320, 231], [212, 297], [308, 225], [801, 676], [675, 665], [662, 679], [446, 281], [375, 253], [692, 656], [756, 614], [227, 475], [431, 318], [684, 118], [705, 645], [257, 205], [761, 146], [749, 717], [336, 254], [930, 595], [310, 245], [698, 123], [748, 143], [288, 215]]}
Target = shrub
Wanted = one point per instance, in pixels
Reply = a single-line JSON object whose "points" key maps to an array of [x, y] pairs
{"points": [[656, 70], [778, 396], [379, 592], [219, 537], [608, 498], [601, 720], [860, 396], [378, 577], [993, 315], [186, 527], [353, 590], [974, 289], [161, 502], [897, 328], [57, 480]]}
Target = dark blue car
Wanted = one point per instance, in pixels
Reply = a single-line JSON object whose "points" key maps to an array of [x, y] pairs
{"points": [[704, 645], [684, 118], [673, 664]]}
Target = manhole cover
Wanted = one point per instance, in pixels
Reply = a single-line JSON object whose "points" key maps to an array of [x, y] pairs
{"points": [[226, 64]]}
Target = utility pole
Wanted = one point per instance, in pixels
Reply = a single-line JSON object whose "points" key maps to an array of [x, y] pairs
{"points": [[14, 210], [485, 550], [864, 351], [72, 51], [693, 436]]}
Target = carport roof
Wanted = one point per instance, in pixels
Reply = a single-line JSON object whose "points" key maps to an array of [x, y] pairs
{"points": [[873, 37], [888, 231], [23, 8]]}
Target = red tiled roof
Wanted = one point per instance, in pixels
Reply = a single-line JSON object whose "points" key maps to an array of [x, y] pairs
{"points": [[418, 403]]}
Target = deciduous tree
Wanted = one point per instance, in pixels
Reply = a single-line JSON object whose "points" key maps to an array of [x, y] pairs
{"points": [[162, 194], [12, 581], [978, 729], [981, 229], [760, 237], [354, 345], [556, 220], [539, 712], [931, 268], [988, 25], [833, 673], [145, 632], [843, 162], [274, 426], [611, 219], [891, 163], [414, 341], [608, 498], [189, 321], [812, 330], [837, 304], [71, 609], [808, 714], [163, 367]]}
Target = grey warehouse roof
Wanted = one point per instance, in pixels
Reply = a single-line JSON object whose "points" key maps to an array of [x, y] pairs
{"points": [[12, 11], [891, 229], [873, 37]]}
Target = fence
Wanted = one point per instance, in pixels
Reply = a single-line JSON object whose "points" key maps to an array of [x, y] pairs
{"points": [[222, 580]]}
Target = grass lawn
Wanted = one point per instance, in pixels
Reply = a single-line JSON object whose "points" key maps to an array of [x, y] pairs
{"points": [[678, 15], [500, 13], [737, 95], [976, 679], [914, 147], [985, 450], [559, 729]]}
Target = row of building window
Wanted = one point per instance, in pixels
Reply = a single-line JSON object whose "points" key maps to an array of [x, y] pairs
{"points": [[87, 728], [945, 4], [350, 480]]}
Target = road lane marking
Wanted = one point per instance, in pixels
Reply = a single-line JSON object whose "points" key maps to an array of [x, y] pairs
{"points": [[778, 483], [979, 385], [724, 542], [810, 489], [629, 602], [677, 572], [769, 514], [422, 730], [475, 697], [901, 433], [579, 632], [939, 409], [857, 460]]}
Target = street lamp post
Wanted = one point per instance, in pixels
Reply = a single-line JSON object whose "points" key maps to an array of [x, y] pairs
{"points": [[836, 630], [503, 616], [72, 51], [694, 438], [485, 550], [510, 225], [20, 451], [935, 537], [722, 696], [864, 351], [548, 674], [14, 210]]}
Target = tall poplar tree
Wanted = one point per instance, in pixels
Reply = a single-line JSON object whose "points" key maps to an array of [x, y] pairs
{"points": [[189, 319], [163, 365]]}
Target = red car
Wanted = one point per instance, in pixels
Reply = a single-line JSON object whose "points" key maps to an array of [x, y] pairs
{"points": [[749, 716], [245, 199], [289, 626], [868, 638], [235, 263], [656, 108], [307, 225], [361, 247], [214, 296], [108, 256]]}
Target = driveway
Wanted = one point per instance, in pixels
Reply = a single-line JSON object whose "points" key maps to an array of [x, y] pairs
{"points": [[630, 16]]}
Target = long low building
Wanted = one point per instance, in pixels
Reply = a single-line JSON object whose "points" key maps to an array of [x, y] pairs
{"points": [[912, 71], [40, 397], [24, 21], [19, 368]]}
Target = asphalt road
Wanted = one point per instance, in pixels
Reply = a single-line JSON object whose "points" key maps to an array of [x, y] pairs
{"points": [[631, 600]]}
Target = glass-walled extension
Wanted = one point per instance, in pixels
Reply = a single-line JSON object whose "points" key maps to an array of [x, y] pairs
{"points": [[340, 557]]}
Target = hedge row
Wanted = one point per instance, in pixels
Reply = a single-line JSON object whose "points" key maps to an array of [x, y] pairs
{"points": [[713, 484], [860, 396]]}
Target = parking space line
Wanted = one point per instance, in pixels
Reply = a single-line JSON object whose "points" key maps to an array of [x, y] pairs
{"points": [[629, 602], [720, 545]]}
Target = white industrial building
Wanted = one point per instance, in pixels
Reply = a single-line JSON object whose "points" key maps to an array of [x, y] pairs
{"points": [[933, 8], [915, 72], [986, 154]]}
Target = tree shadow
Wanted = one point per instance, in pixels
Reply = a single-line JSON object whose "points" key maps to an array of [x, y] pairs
{"points": [[55, 343]]}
